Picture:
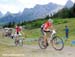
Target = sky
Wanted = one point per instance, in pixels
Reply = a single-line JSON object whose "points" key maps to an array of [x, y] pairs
{"points": [[15, 6]]}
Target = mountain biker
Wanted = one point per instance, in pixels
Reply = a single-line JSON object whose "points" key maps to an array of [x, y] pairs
{"points": [[18, 30], [46, 27]]}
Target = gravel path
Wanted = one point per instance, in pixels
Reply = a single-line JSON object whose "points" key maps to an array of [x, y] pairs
{"points": [[35, 51]]}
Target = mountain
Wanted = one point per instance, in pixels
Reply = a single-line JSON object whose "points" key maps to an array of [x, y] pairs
{"points": [[39, 11], [10, 17], [1, 14], [69, 4]]}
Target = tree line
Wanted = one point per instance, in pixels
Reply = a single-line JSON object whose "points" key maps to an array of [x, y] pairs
{"points": [[65, 13]]}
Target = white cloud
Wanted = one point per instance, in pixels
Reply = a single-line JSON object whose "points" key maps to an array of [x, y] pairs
{"points": [[73, 1], [28, 3], [11, 8], [31, 3], [19, 5]]}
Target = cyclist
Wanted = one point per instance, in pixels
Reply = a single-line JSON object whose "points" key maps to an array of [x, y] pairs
{"points": [[18, 30], [46, 27]]}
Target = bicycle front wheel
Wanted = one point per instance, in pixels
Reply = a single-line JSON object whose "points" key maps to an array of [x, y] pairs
{"points": [[21, 42], [57, 43]]}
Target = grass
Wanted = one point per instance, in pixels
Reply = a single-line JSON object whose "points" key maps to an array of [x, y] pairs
{"points": [[5, 49], [59, 26], [33, 33]]}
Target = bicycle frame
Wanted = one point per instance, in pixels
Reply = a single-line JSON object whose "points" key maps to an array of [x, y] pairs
{"points": [[52, 34]]}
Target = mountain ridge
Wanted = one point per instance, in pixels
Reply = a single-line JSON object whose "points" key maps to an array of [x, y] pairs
{"points": [[39, 11]]}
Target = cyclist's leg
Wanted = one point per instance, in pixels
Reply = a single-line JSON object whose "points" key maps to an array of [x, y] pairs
{"points": [[45, 37], [47, 34], [17, 38]]}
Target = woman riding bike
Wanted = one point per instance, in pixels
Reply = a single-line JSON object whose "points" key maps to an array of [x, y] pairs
{"points": [[18, 30], [46, 27]]}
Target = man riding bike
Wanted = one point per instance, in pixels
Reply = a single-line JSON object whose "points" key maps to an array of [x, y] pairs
{"points": [[46, 27], [18, 30]]}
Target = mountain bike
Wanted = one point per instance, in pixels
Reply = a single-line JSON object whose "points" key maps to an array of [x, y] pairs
{"points": [[18, 40], [56, 42]]}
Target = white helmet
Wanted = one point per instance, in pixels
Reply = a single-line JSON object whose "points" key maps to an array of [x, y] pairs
{"points": [[50, 20]]}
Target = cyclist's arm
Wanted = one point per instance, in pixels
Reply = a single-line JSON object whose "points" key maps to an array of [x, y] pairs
{"points": [[53, 27], [23, 33]]}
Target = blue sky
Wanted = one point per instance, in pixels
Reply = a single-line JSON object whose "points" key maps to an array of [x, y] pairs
{"points": [[15, 6]]}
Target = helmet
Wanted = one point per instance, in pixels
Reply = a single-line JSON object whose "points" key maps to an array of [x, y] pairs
{"points": [[50, 20]]}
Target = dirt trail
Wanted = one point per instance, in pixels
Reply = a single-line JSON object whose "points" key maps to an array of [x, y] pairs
{"points": [[35, 51]]}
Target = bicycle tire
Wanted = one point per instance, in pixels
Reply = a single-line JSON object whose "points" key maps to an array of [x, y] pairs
{"points": [[54, 43], [41, 43], [20, 42], [16, 42]]}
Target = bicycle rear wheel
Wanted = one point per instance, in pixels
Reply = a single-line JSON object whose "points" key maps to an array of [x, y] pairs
{"points": [[16, 42], [57, 43], [19, 42], [41, 43]]}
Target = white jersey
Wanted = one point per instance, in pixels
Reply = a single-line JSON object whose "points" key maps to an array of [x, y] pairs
{"points": [[42, 26]]}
